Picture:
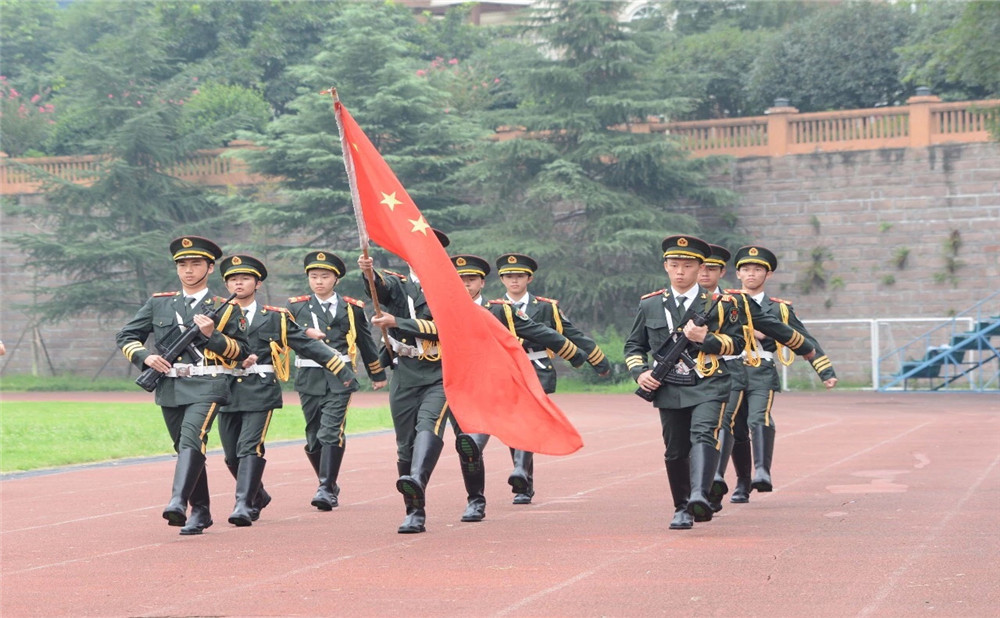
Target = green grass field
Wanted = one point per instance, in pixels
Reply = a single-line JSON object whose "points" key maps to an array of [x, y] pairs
{"points": [[46, 434]]}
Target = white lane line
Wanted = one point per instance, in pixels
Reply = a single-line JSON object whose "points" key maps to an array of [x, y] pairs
{"points": [[921, 550]]}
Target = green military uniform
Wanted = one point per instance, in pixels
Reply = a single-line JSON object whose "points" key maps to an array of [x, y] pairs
{"points": [[198, 382], [544, 311], [324, 396], [691, 413], [417, 401], [256, 391], [470, 446], [752, 422]]}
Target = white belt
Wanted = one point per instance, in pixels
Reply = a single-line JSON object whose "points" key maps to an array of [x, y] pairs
{"points": [[410, 351], [254, 369], [731, 357], [185, 371], [763, 354], [537, 355], [305, 362]]}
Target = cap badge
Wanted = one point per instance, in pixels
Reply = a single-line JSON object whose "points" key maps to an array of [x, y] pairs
{"points": [[186, 243], [321, 257], [682, 242], [511, 259], [460, 262], [753, 251], [236, 261]]}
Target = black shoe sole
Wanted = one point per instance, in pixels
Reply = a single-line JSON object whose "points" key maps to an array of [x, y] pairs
{"points": [[174, 518], [700, 512], [241, 522], [194, 530], [718, 491], [413, 493], [518, 484], [467, 449], [762, 487]]}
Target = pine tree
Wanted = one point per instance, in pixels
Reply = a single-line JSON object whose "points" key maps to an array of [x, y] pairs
{"points": [[374, 57], [587, 199], [108, 239]]}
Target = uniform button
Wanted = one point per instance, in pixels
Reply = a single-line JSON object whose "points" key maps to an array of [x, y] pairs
{"points": [[239, 379], [180, 357]]}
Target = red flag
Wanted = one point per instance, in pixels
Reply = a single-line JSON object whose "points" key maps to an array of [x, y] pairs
{"points": [[488, 379]]}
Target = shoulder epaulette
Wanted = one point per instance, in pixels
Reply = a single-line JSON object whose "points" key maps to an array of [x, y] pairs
{"points": [[220, 299], [547, 300], [395, 274], [780, 300], [734, 291], [278, 309], [299, 299], [652, 294], [500, 301], [354, 301], [161, 294]]}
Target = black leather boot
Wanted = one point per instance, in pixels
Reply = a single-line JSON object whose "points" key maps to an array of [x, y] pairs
{"points": [[719, 486], [251, 469], [329, 469], [414, 521], [470, 456], [743, 466], [763, 448], [314, 459], [260, 500], [201, 515], [704, 464], [521, 480], [189, 466], [426, 450], [679, 477]]}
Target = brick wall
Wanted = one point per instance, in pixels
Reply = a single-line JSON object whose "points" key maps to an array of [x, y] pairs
{"points": [[862, 211], [859, 210]]}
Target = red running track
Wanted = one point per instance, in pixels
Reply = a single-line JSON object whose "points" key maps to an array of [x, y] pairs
{"points": [[885, 505]]}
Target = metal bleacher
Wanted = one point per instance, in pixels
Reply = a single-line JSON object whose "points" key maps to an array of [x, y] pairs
{"points": [[953, 359]]}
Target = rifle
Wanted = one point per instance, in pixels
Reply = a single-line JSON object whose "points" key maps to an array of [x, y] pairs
{"points": [[150, 378], [673, 351]]}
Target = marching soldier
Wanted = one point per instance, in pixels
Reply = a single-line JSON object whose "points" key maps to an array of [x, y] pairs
{"points": [[712, 271], [196, 382], [256, 392], [516, 272], [473, 270], [753, 318], [692, 399], [416, 395], [339, 322], [754, 266]]}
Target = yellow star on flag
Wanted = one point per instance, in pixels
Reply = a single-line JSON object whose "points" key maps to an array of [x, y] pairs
{"points": [[420, 225], [390, 200]]}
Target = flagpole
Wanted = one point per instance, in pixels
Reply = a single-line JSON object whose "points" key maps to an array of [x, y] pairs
{"points": [[358, 215]]}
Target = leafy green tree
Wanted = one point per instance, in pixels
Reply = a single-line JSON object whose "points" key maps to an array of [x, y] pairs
{"points": [[710, 68], [220, 103], [251, 44], [584, 197], [952, 50], [372, 55], [108, 238], [843, 57], [28, 38], [699, 16]]}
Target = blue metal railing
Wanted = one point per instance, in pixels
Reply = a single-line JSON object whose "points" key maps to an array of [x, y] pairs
{"points": [[971, 354]]}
